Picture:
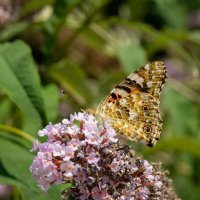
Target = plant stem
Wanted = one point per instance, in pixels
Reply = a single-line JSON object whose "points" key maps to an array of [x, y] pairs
{"points": [[17, 132]]}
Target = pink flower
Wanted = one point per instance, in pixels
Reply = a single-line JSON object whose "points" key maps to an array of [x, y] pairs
{"points": [[41, 166], [92, 158], [74, 144], [69, 153], [97, 193], [80, 176], [159, 184], [57, 178], [67, 168], [84, 193], [78, 117], [115, 166], [44, 183], [46, 131], [86, 153], [127, 195], [66, 122], [58, 149], [110, 133], [36, 145], [143, 193], [72, 130], [93, 139]]}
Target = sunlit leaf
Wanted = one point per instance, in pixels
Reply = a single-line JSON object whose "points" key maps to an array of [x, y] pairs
{"points": [[182, 114], [16, 161], [194, 36], [5, 109], [51, 101], [183, 144], [20, 80], [131, 56]]}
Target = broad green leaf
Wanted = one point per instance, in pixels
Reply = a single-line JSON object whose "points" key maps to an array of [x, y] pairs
{"points": [[28, 126], [131, 56], [16, 161], [8, 180], [51, 101], [183, 144], [194, 36], [5, 109], [11, 154], [175, 16], [17, 138], [186, 188], [182, 114], [168, 39], [20, 80]]}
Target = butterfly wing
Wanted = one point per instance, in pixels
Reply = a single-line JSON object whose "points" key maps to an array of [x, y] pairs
{"points": [[132, 108]]}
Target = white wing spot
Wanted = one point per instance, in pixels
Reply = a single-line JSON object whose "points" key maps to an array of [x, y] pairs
{"points": [[139, 80], [149, 84], [147, 67], [132, 116], [133, 77]]}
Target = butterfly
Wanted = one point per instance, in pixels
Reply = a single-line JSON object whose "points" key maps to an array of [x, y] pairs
{"points": [[132, 107]]}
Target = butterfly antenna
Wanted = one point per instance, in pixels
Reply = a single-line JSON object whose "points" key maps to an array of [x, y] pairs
{"points": [[70, 97], [87, 110]]}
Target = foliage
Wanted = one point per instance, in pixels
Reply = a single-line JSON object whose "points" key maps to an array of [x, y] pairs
{"points": [[84, 48]]}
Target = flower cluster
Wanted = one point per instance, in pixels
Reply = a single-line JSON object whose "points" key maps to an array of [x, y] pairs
{"points": [[87, 154]]}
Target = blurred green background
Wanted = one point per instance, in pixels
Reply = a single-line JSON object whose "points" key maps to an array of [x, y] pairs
{"points": [[85, 48]]}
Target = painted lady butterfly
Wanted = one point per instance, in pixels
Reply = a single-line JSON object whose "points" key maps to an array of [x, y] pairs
{"points": [[132, 108]]}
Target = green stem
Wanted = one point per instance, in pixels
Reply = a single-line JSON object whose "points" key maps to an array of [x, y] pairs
{"points": [[18, 132]]}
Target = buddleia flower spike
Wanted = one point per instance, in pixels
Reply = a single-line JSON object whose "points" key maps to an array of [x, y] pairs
{"points": [[87, 154]]}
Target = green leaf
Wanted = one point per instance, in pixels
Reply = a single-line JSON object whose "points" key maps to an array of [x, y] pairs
{"points": [[20, 80], [178, 18], [16, 161], [183, 144], [51, 100], [182, 114], [131, 56], [194, 36], [5, 109], [11, 154]]}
